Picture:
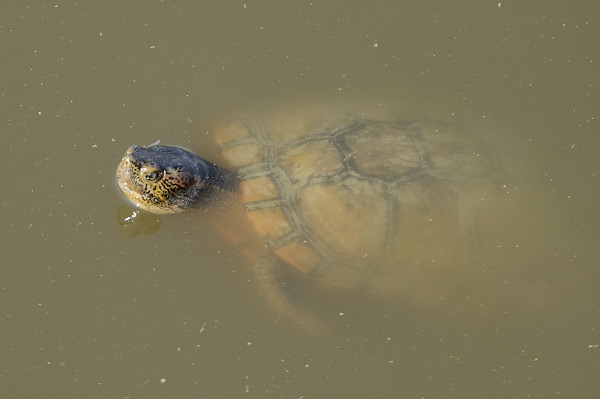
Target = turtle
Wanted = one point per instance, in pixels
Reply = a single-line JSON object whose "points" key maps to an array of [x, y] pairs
{"points": [[376, 204]]}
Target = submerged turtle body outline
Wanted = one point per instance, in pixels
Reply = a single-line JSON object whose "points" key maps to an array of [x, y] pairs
{"points": [[378, 205]]}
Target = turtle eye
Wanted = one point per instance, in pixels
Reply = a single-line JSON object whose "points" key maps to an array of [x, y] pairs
{"points": [[153, 176]]}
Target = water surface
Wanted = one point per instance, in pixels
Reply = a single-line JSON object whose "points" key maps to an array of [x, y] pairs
{"points": [[87, 312]]}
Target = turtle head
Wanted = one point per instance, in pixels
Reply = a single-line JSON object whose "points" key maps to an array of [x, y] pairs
{"points": [[162, 179]]}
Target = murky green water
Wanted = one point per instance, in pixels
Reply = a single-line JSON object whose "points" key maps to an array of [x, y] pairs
{"points": [[87, 312]]}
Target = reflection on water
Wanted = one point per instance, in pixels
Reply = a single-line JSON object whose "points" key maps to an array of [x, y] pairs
{"points": [[134, 222]]}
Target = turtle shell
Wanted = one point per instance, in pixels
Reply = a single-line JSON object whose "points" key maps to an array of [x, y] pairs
{"points": [[375, 204]]}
